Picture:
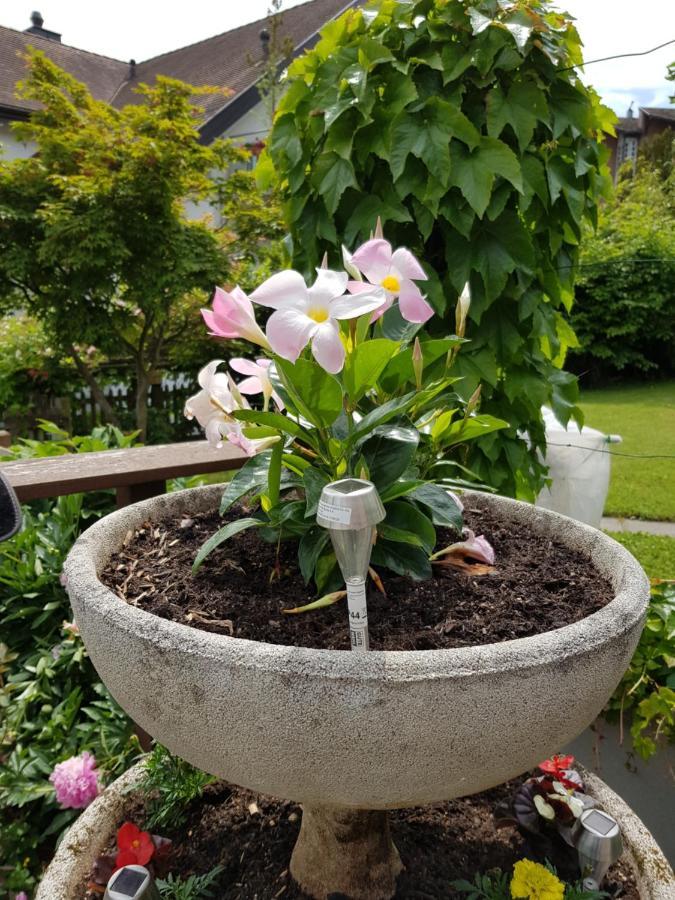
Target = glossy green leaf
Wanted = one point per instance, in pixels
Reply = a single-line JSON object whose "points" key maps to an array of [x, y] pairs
{"points": [[443, 509], [365, 365], [382, 413], [311, 546], [316, 394], [474, 172], [405, 518], [389, 452], [314, 481], [223, 534], [333, 175], [404, 559]]}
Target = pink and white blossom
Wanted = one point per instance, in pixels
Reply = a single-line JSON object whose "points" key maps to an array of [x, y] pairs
{"points": [[258, 381], [306, 315], [76, 781], [213, 407], [233, 317], [477, 547], [395, 271]]}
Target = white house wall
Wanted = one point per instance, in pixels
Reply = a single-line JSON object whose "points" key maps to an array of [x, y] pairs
{"points": [[10, 147]]}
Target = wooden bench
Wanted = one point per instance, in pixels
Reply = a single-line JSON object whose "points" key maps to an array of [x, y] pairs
{"points": [[136, 473]]}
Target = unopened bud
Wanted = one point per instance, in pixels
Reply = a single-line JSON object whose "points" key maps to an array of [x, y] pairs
{"points": [[418, 363], [462, 311], [379, 233], [473, 401], [324, 261]]}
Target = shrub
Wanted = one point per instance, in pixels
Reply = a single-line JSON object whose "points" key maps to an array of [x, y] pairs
{"points": [[467, 129], [52, 704], [624, 314]]}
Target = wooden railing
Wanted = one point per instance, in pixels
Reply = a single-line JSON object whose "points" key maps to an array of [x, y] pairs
{"points": [[135, 474]]}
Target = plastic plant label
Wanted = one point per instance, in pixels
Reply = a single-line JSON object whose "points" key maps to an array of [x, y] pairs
{"points": [[341, 515], [358, 615]]}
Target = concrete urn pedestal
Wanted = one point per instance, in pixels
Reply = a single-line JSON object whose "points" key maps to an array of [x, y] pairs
{"points": [[352, 735]]}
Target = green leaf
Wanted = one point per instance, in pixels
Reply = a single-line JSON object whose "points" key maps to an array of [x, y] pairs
{"points": [[521, 108], [277, 421], [316, 394], [315, 481], [444, 511], [222, 535], [321, 603], [474, 173], [381, 414], [365, 365], [310, 549], [388, 453], [395, 327], [332, 176], [468, 429], [405, 518], [251, 476], [373, 52], [404, 559], [285, 141], [500, 248]]}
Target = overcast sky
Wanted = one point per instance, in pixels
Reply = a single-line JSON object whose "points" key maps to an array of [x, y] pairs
{"points": [[139, 29]]}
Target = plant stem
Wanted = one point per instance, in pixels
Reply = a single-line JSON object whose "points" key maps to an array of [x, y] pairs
{"points": [[274, 473]]}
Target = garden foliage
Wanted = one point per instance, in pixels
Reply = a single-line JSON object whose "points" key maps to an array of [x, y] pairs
{"points": [[94, 236], [467, 128], [647, 690], [624, 314], [52, 704]]}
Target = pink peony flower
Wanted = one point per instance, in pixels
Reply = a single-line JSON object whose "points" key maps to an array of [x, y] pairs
{"points": [[303, 315], [76, 781], [233, 317], [393, 271]]}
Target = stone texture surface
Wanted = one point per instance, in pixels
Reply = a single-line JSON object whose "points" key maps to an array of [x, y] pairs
{"points": [[86, 839], [94, 828], [371, 731]]}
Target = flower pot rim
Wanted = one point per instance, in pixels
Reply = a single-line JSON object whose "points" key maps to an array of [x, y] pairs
{"points": [[94, 547]]}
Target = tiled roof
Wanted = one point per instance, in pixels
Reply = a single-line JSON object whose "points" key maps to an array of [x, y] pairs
{"points": [[660, 112], [628, 124], [230, 60], [101, 74]]}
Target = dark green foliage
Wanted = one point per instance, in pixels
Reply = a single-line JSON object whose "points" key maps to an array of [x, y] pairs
{"points": [[464, 127], [624, 314], [52, 704], [171, 784], [195, 887]]}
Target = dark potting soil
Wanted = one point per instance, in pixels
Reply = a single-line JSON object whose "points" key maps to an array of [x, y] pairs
{"points": [[538, 585], [252, 837]]}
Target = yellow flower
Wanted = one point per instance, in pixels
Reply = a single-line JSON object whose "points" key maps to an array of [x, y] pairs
{"points": [[534, 882]]}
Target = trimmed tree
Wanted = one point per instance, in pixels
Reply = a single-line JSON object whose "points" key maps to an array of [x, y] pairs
{"points": [[94, 237], [468, 130]]}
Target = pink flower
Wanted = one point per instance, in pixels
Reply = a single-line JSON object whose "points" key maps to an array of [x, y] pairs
{"points": [[233, 317], [476, 547], [76, 781], [393, 271], [22, 895], [213, 407], [312, 314], [71, 628], [258, 381]]}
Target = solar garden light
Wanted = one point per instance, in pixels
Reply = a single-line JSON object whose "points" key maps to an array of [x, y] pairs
{"points": [[350, 509], [131, 883], [597, 837]]}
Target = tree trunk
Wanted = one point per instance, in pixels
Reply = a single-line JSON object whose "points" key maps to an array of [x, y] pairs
{"points": [[345, 851], [97, 394], [141, 405]]}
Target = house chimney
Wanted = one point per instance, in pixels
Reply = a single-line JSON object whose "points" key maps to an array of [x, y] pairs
{"points": [[36, 28], [132, 69], [630, 114], [265, 41]]}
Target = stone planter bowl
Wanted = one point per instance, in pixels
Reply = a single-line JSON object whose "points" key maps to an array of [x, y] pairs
{"points": [[372, 731], [94, 829]]}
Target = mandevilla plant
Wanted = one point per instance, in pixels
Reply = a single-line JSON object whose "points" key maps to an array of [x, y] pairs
{"points": [[348, 390]]}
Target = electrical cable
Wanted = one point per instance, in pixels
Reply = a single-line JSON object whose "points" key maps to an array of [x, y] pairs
{"points": [[613, 452], [591, 62]]}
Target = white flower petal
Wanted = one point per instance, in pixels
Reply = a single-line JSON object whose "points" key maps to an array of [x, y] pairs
{"points": [[288, 331], [284, 289], [353, 305], [327, 348], [328, 285]]}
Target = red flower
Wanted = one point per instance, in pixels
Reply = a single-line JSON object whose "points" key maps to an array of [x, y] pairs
{"points": [[136, 847], [558, 767]]}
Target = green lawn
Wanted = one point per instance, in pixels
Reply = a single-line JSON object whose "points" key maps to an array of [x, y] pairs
{"points": [[655, 554], [644, 415]]}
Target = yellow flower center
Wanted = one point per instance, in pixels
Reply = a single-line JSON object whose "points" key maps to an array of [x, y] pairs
{"points": [[317, 314], [391, 283], [136, 844]]}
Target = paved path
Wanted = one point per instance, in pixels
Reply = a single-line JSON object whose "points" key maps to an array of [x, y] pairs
{"points": [[664, 529]]}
